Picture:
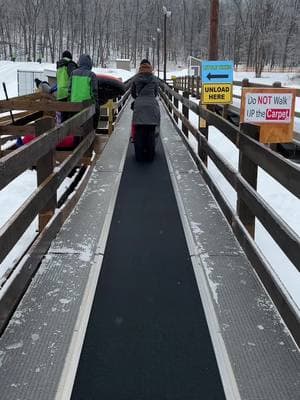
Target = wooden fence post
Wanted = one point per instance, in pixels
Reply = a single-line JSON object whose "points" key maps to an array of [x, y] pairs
{"points": [[203, 128], [248, 170], [274, 146], [185, 112], [44, 168], [171, 100], [198, 88], [110, 108], [176, 105], [193, 86]]}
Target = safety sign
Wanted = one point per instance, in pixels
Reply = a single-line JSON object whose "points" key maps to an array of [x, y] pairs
{"points": [[216, 93], [216, 79]]}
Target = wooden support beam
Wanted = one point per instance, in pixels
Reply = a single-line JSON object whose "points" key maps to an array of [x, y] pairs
{"points": [[248, 170], [185, 112]]}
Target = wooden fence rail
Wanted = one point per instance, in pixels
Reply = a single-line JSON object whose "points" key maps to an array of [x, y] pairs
{"points": [[250, 204]]}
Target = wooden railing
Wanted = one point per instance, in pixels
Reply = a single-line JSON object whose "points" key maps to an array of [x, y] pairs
{"points": [[192, 85], [38, 120], [250, 204]]}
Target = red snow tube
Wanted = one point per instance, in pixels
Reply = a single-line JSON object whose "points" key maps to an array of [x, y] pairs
{"points": [[28, 138], [68, 142]]}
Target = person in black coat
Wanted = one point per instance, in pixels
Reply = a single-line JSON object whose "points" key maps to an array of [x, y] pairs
{"points": [[144, 90], [146, 113]]}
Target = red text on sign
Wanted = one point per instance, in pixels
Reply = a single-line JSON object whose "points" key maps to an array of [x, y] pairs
{"points": [[275, 114], [264, 99]]}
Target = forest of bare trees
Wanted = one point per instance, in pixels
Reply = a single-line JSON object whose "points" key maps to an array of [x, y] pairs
{"points": [[254, 33]]}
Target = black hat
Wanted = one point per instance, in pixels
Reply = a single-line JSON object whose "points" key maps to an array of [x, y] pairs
{"points": [[37, 82], [67, 54], [145, 61]]}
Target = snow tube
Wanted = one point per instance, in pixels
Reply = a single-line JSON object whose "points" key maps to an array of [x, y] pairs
{"points": [[109, 87], [28, 138], [69, 142]]}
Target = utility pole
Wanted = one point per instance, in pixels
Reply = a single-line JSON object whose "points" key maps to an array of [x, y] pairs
{"points": [[213, 35], [153, 51], [167, 14], [158, 43]]}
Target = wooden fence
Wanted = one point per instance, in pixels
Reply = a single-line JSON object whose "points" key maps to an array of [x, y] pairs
{"points": [[38, 120], [192, 85], [250, 205]]}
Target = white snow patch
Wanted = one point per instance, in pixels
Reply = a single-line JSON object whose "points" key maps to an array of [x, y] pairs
{"points": [[260, 327], [195, 228], [35, 337], [53, 292], [65, 301], [15, 345]]}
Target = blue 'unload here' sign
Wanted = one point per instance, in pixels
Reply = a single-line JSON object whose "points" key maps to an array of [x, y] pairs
{"points": [[217, 71]]}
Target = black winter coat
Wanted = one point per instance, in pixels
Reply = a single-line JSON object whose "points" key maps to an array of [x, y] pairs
{"points": [[144, 89]]}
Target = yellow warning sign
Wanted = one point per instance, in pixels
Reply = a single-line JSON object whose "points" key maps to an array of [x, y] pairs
{"points": [[215, 93]]}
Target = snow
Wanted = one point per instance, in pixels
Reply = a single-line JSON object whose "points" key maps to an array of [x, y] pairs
{"points": [[11, 198], [285, 204]]}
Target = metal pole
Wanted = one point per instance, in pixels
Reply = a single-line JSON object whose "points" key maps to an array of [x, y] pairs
{"points": [[213, 36], [153, 51], [165, 47], [158, 40], [6, 95]]}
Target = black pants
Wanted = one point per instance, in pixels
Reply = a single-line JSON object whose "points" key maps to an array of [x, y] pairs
{"points": [[144, 142]]}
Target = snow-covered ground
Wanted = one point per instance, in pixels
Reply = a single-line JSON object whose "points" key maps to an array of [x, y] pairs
{"points": [[285, 204]]}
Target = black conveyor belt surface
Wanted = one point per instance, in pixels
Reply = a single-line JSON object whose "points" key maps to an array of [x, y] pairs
{"points": [[147, 337]]}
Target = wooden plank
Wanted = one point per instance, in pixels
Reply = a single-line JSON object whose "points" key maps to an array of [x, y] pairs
{"points": [[185, 112], [6, 119], [249, 170], [24, 157], [176, 106], [17, 130], [42, 105]]}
